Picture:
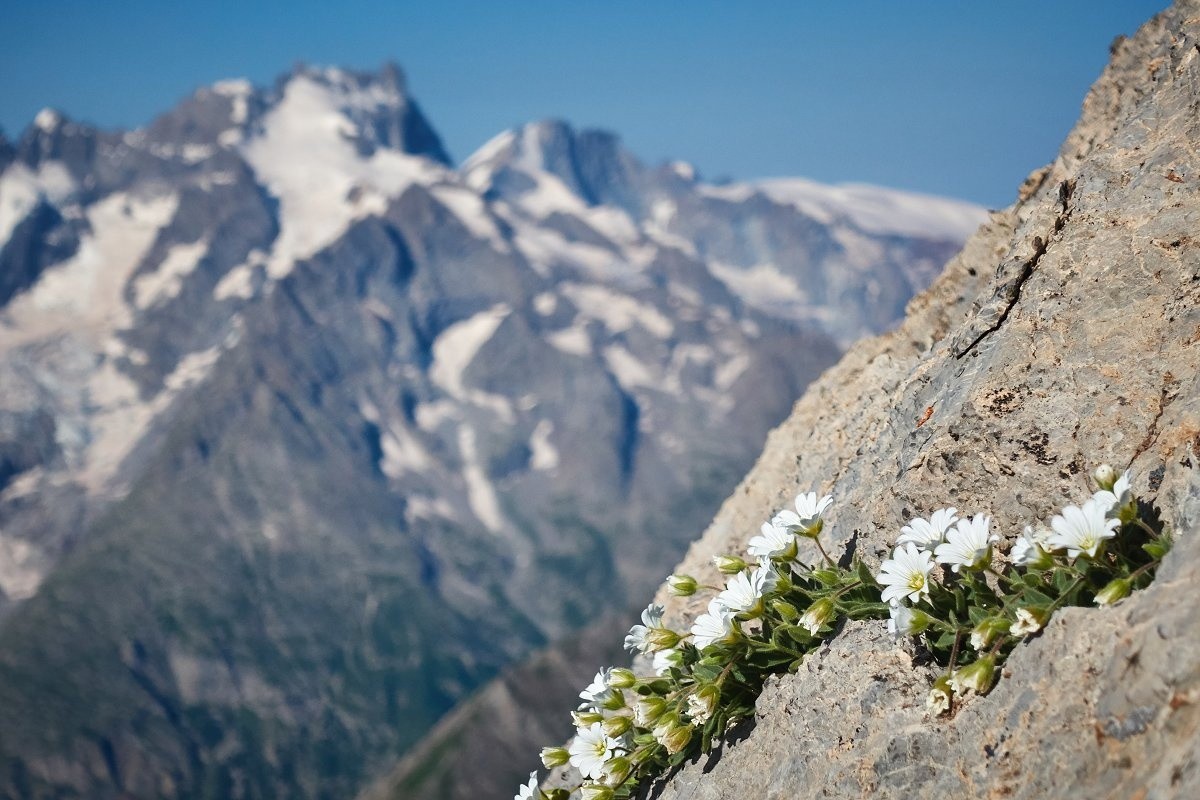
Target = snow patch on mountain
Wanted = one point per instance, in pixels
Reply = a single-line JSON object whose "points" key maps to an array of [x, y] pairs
{"points": [[21, 189], [21, 568], [481, 494], [87, 290], [572, 340], [543, 454], [470, 209], [402, 453], [457, 346], [629, 371], [618, 312], [876, 209], [305, 157], [764, 287], [167, 281]]}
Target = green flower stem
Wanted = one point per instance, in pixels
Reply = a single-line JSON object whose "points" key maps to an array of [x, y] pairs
{"points": [[1058, 601], [954, 650], [828, 560], [1141, 523], [1007, 581], [1144, 568]]}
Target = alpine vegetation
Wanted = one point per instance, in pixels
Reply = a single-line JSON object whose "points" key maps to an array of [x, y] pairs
{"points": [[945, 586]]}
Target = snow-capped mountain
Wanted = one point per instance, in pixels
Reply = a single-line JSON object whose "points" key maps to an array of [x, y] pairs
{"points": [[305, 433]]}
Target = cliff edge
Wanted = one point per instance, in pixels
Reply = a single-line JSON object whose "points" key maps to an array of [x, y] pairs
{"points": [[1067, 333]]}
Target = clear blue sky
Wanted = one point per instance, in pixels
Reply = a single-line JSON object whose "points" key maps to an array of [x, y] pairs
{"points": [[959, 98]]}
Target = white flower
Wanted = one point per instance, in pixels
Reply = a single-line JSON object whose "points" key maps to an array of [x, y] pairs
{"points": [[906, 573], [528, 791], [928, 533], [807, 514], [597, 692], [1030, 548], [938, 701], [818, 614], [968, 545], [1081, 530], [651, 618], [713, 626], [589, 750], [900, 621], [742, 591], [1027, 622], [664, 660], [774, 541], [701, 705], [1118, 497]]}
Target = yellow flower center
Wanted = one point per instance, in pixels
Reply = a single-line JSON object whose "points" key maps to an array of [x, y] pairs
{"points": [[916, 581]]}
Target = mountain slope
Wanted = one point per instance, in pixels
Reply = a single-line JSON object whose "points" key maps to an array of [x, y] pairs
{"points": [[305, 434]]}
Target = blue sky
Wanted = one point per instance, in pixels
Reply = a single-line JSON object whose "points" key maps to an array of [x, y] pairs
{"points": [[957, 98]]}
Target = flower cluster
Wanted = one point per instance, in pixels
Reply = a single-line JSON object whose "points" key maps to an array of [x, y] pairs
{"points": [[987, 603], [944, 583]]}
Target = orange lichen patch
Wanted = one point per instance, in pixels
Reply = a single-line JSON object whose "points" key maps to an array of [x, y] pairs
{"points": [[925, 417]]}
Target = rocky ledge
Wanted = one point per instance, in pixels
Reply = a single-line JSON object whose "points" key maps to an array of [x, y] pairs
{"points": [[1067, 333]]}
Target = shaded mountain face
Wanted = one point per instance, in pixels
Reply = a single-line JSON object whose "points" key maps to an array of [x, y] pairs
{"points": [[304, 434]]}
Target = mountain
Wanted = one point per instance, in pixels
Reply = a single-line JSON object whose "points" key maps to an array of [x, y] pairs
{"points": [[305, 433], [1066, 334]]}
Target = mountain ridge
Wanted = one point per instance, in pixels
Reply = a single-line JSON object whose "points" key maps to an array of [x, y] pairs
{"points": [[286, 409]]}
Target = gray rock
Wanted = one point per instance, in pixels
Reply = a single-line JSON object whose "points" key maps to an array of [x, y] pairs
{"points": [[1067, 333]]}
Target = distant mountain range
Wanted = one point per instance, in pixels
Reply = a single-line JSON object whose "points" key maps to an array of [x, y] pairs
{"points": [[305, 433]]}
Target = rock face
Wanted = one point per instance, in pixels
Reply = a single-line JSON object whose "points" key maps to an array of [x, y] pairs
{"points": [[1067, 333], [306, 434]]}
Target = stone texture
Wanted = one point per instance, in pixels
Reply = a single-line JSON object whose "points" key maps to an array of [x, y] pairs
{"points": [[1065, 334]]}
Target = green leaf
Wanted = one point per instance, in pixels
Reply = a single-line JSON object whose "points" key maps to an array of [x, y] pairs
{"points": [[1062, 580], [1033, 597], [864, 574]]}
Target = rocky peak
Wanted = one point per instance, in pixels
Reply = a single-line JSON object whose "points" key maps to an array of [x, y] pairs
{"points": [[590, 163], [54, 137]]}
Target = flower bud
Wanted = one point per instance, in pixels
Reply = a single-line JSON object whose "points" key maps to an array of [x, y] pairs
{"points": [[907, 621], [616, 726], [585, 719], [1029, 620], [681, 586], [675, 738], [617, 769], [977, 676], [812, 530], [786, 610], [615, 701], [938, 702], [1117, 589], [661, 639], [649, 709], [554, 757], [1105, 476], [621, 678], [987, 630], [729, 565], [595, 791], [828, 577], [703, 702], [818, 614]]}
